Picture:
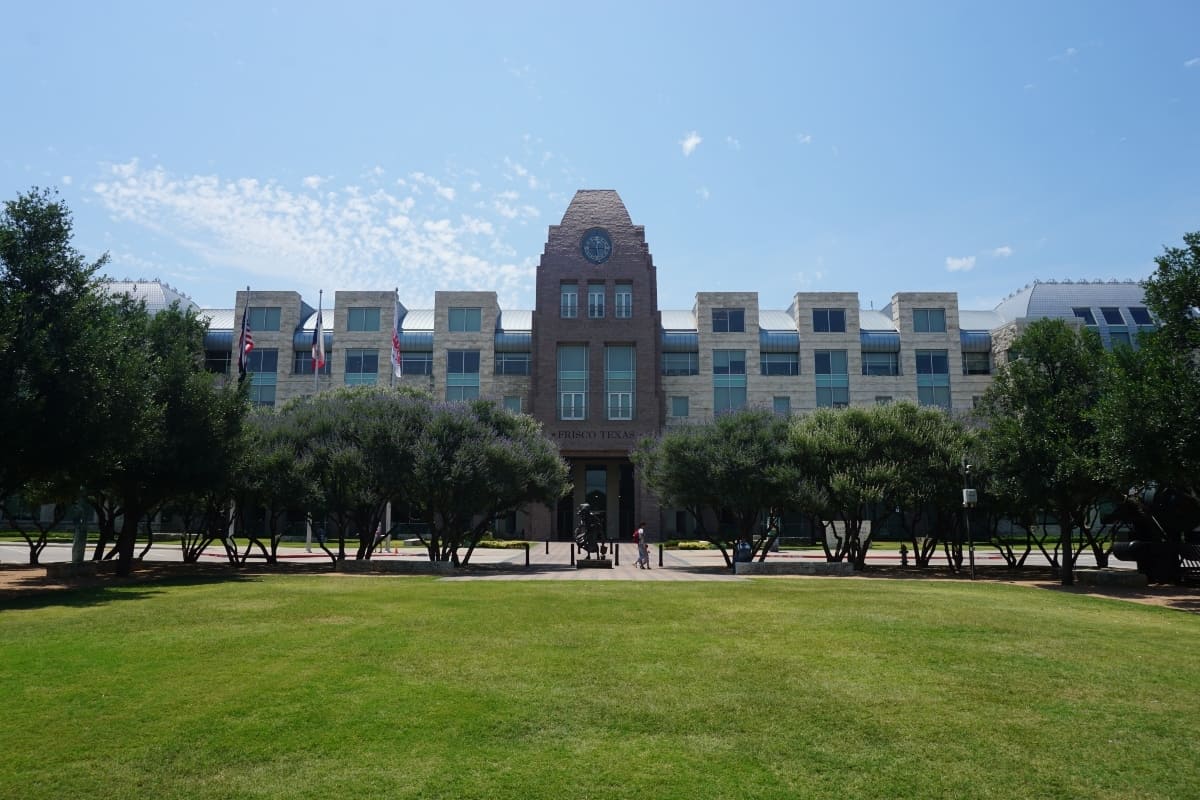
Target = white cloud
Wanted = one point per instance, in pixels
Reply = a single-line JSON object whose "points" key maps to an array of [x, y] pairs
{"points": [[1004, 251], [733, 143], [804, 138], [1066, 55], [348, 237], [67, 180], [313, 182], [704, 193], [1192, 62], [690, 142], [965, 264]]}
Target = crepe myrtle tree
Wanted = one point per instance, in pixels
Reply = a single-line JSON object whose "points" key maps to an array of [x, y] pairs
{"points": [[1040, 435], [474, 461], [736, 466]]}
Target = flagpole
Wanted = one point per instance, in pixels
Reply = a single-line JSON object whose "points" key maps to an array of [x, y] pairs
{"points": [[321, 334], [395, 335]]}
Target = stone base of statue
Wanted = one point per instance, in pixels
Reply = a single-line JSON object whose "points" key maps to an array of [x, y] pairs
{"points": [[593, 563]]}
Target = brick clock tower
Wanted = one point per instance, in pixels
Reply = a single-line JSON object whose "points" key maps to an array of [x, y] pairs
{"points": [[596, 341]]}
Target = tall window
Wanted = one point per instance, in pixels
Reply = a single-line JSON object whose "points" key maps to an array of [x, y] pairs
{"points": [[933, 378], [929, 320], [595, 300], [1119, 338], [729, 380], [414, 362], [362, 319], [464, 320], [512, 363], [462, 374], [263, 318], [680, 363], [1140, 315], [833, 378], [362, 367], [569, 300], [619, 361], [781, 405], [1112, 315], [779, 363], [623, 301], [977, 363], [572, 381], [679, 406], [729, 320], [512, 402], [829, 320], [302, 364], [1084, 314], [880, 363], [263, 366]]}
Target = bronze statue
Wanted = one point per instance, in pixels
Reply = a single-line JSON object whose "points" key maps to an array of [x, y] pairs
{"points": [[589, 532]]}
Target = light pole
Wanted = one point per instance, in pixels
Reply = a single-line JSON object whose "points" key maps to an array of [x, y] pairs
{"points": [[970, 498]]}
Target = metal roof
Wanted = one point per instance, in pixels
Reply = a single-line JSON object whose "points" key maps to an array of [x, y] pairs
{"points": [[678, 321], [417, 319], [1057, 298], [775, 321], [871, 320], [157, 295], [515, 320], [219, 319], [979, 320]]}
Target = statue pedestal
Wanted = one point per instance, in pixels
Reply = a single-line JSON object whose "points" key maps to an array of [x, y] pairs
{"points": [[593, 563]]}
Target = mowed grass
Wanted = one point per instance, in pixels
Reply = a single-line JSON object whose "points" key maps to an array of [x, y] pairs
{"points": [[409, 687]]}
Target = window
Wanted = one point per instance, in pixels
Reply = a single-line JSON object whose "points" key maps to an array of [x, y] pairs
{"points": [[362, 319], [1119, 338], [880, 363], [1112, 315], [569, 301], [623, 301], [465, 320], [302, 364], [217, 361], [572, 381], [512, 363], [462, 375], [882, 399], [679, 406], [729, 380], [262, 364], [680, 363], [595, 300], [779, 363], [933, 378], [619, 361], [415, 363], [829, 320], [832, 378], [729, 320], [362, 367], [1085, 314], [262, 319], [977, 363], [1140, 315], [512, 402], [782, 406], [929, 320]]}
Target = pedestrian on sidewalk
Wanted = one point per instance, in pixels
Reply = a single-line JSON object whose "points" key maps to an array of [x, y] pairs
{"points": [[639, 536]]}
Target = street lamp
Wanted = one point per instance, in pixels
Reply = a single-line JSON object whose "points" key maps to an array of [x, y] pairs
{"points": [[970, 498]]}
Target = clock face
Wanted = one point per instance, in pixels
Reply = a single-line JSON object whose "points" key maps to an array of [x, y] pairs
{"points": [[597, 247]]}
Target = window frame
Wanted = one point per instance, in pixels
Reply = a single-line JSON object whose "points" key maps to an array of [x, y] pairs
{"points": [[464, 319], [729, 320], [928, 317], [359, 319], [823, 320]]}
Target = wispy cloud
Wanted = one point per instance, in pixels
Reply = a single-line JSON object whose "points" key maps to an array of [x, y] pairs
{"points": [[804, 138], [964, 264], [690, 142], [733, 143], [703, 193], [344, 236], [1066, 55], [1192, 62], [67, 180], [1004, 251]]}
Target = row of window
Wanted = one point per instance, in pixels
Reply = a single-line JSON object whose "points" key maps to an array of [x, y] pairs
{"points": [[1112, 315], [620, 366], [362, 319], [828, 320], [596, 300], [785, 364]]}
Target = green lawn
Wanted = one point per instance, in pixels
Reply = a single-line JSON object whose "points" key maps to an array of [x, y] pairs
{"points": [[409, 687]]}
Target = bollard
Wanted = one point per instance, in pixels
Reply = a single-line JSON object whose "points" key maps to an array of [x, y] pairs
{"points": [[527, 554], [616, 554], [660, 549], [547, 547], [903, 555]]}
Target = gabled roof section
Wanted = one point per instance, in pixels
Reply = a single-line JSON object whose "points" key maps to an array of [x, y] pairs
{"points": [[871, 320], [775, 321], [678, 321], [515, 320], [219, 319], [157, 295]]}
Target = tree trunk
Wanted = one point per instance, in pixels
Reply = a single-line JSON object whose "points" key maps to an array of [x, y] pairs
{"points": [[127, 539], [1068, 552]]}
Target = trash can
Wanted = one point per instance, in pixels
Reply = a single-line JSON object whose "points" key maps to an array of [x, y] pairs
{"points": [[742, 551]]}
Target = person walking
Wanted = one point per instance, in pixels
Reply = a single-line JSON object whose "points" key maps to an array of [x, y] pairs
{"points": [[639, 536]]}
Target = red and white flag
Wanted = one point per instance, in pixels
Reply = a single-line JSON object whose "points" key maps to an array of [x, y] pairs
{"points": [[318, 345], [245, 342], [396, 365]]}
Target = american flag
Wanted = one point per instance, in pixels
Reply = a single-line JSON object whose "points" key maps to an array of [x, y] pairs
{"points": [[245, 343]]}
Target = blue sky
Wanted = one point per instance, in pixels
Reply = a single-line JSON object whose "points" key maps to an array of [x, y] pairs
{"points": [[769, 147]]}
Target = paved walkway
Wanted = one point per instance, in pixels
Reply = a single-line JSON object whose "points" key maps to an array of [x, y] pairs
{"points": [[550, 561]]}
